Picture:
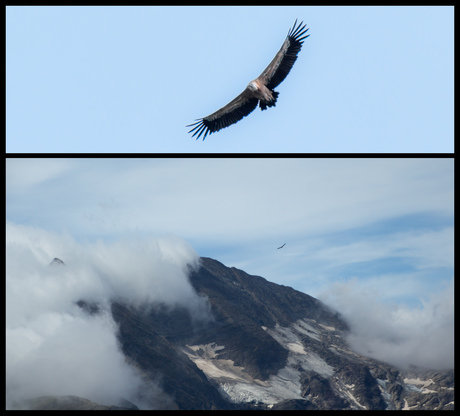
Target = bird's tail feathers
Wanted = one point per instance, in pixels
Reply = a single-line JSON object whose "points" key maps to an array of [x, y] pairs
{"points": [[263, 104]]}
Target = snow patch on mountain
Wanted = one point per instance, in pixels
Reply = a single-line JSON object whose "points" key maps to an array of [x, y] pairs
{"points": [[346, 389], [220, 370], [416, 382], [239, 386], [291, 338], [283, 386]]}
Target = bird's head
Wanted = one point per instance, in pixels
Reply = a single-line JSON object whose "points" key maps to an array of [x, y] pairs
{"points": [[253, 86]]}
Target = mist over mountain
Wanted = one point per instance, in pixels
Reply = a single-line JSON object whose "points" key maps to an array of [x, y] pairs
{"points": [[51, 336], [224, 340]]}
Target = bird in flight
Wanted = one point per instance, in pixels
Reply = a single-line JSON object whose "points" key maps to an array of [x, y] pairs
{"points": [[281, 246], [259, 91]]}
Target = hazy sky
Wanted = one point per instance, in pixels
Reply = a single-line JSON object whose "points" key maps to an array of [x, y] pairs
{"points": [[340, 218], [373, 238], [128, 79]]}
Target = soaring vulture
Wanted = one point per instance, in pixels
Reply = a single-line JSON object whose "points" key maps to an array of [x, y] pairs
{"points": [[260, 90], [282, 246]]}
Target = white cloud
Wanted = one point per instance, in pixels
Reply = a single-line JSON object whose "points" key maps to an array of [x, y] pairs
{"points": [[419, 249], [27, 173], [216, 199], [54, 347], [400, 335], [64, 353]]}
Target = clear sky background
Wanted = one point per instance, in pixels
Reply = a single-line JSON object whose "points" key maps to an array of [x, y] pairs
{"points": [[371, 237], [128, 79]]}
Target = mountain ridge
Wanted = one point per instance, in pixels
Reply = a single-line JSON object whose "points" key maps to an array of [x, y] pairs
{"points": [[260, 346]]}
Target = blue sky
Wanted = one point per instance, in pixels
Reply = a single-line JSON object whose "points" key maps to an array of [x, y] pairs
{"points": [[128, 79]]}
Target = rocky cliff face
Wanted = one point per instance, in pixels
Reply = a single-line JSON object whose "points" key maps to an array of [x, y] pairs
{"points": [[263, 346], [268, 346]]}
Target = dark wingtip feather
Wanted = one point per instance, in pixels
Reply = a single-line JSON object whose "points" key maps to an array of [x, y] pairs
{"points": [[296, 32], [199, 127]]}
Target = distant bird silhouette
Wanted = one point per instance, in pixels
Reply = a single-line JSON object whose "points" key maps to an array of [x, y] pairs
{"points": [[281, 246], [56, 262]]}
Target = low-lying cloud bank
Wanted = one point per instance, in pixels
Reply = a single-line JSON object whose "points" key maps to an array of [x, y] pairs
{"points": [[54, 347], [399, 335]]}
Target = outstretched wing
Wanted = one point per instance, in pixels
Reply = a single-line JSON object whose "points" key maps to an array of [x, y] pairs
{"points": [[284, 60], [281, 246], [246, 102], [233, 112]]}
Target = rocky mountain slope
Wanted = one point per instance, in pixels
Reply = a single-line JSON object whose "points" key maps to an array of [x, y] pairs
{"points": [[262, 346], [70, 403]]}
